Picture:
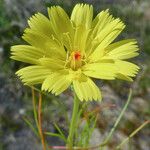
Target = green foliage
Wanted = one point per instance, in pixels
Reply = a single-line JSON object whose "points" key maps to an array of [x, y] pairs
{"points": [[60, 133], [31, 126], [55, 135], [84, 135], [3, 18]]}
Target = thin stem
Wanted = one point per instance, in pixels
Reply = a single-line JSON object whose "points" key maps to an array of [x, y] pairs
{"points": [[73, 122], [40, 122], [34, 108], [117, 121], [132, 134], [31, 126]]}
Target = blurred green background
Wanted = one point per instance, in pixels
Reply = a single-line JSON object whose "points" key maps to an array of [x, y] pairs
{"points": [[15, 99]]}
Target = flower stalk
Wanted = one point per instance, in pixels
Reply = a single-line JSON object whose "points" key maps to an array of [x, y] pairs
{"points": [[73, 122]]}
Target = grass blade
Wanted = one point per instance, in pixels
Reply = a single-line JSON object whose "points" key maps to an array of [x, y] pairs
{"points": [[132, 134], [60, 131], [34, 108], [117, 121], [31, 126], [55, 134]]}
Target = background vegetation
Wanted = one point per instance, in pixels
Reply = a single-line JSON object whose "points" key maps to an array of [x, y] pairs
{"points": [[15, 99]]}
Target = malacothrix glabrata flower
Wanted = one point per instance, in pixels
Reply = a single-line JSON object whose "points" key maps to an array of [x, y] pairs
{"points": [[64, 51]]}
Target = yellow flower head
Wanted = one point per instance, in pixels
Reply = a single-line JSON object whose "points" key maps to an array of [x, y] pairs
{"points": [[66, 51]]}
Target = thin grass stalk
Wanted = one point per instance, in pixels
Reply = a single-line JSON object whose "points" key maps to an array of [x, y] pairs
{"points": [[117, 121], [31, 126], [40, 122], [34, 108], [132, 134]]}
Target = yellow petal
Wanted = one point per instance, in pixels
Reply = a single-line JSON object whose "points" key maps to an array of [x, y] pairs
{"points": [[86, 89], [40, 23], [61, 25], [79, 42], [52, 64], [124, 77], [33, 74], [105, 36], [124, 49], [57, 82], [81, 17], [126, 70], [50, 47], [99, 22], [101, 70], [82, 14], [26, 53], [59, 20]]}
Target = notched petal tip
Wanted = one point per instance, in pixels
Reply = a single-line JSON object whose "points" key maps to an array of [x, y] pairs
{"points": [[127, 70], [86, 90]]}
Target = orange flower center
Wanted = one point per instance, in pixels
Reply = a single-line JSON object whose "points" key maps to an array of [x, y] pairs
{"points": [[75, 60], [77, 56]]}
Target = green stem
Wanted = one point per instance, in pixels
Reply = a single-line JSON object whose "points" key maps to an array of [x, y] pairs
{"points": [[73, 122], [34, 108]]}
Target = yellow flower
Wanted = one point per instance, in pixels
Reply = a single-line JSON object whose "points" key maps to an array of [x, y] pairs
{"points": [[67, 51]]}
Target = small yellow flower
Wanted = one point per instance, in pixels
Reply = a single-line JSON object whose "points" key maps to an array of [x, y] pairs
{"points": [[67, 51]]}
